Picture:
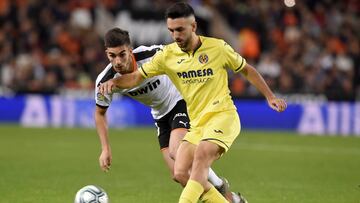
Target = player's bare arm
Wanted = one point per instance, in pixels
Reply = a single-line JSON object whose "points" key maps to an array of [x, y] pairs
{"points": [[123, 82], [102, 129], [254, 77]]}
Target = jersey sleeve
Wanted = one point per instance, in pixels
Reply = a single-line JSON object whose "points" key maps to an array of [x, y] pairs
{"points": [[232, 59], [154, 66], [103, 101]]}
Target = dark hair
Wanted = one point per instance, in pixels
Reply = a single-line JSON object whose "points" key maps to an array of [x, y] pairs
{"points": [[116, 37], [179, 10]]}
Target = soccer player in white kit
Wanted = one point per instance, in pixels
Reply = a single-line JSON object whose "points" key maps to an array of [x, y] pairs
{"points": [[167, 106]]}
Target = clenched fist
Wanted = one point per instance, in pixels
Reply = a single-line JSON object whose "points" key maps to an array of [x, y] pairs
{"points": [[277, 104]]}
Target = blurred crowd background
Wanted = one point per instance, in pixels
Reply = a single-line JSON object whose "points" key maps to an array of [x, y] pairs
{"points": [[302, 47]]}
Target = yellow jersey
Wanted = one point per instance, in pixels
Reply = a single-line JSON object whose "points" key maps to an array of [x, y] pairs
{"points": [[201, 77]]}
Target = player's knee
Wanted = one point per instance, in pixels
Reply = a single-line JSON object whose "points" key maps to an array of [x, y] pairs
{"points": [[181, 177]]}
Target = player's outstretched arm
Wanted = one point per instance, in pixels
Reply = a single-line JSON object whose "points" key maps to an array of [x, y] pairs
{"points": [[254, 77], [123, 82], [102, 130]]}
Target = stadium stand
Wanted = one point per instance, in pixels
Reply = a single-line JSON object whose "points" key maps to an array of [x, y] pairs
{"points": [[312, 48]]}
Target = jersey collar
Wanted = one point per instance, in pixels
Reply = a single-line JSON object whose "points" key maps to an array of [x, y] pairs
{"points": [[196, 48]]}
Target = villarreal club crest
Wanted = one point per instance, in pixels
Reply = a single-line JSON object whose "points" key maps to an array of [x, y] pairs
{"points": [[203, 58]]}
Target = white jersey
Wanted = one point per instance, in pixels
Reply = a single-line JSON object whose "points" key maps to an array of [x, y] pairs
{"points": [[157, 92]]}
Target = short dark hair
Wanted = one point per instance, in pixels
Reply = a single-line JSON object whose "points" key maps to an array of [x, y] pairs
{"points": [[179, 10], [116, 37]]}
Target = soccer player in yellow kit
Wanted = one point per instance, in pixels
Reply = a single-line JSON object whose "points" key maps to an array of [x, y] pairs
{"points": [[197, 66]]}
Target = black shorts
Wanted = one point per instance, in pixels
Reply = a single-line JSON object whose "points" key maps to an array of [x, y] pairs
{"points": [[176, 118]]}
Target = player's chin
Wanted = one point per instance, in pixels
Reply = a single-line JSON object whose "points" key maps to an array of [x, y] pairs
{"points": [[118, 69], [181, 45]]}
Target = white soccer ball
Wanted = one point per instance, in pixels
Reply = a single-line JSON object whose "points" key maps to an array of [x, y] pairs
{"points": [[91, 194]]}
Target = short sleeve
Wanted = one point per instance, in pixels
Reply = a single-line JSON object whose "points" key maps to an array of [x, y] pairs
{"points": [[232, 59], [102, 100], [154, 66]]}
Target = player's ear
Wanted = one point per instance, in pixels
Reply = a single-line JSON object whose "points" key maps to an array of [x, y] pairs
{"points": [[194, 26], [107, 53]]}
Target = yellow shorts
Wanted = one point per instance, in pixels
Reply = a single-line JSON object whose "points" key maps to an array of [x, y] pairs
{"points": [[221, 128]]}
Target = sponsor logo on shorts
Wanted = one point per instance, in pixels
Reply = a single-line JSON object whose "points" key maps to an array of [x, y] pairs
{"points": [[179, 115], [184, 123], [181, 60], [218, 131], [100, 97]]}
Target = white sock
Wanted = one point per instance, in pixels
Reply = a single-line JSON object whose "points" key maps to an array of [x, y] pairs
{"points": [[214, 179]]}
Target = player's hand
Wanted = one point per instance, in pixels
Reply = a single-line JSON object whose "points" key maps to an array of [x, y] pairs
{"points": [[277, 104], [107, 87], [105, 160]]}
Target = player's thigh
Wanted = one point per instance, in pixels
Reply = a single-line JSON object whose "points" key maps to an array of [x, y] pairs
{"points": [[176, 137], [205, 154], [222, 128], [184, 157]]}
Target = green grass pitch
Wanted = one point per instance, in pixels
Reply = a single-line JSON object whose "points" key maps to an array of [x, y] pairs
{"points": [[50, 165]]}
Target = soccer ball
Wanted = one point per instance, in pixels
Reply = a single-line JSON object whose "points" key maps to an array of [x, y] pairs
{"points": [[91, 194]]}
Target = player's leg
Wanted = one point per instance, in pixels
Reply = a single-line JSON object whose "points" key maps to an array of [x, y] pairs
{"points": [[215, 179], [222, 185], [180, 124], [205, 154], [184, 158], [171, 130], [218, 132], [169, 145], [168, 161], [163, 134], [176, 136], [179, 121], [216, 138]]}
